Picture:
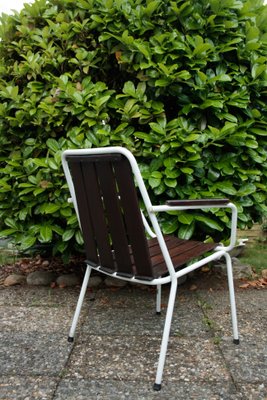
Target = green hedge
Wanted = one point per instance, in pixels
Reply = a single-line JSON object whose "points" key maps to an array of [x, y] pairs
{"points": [[182, 84]]}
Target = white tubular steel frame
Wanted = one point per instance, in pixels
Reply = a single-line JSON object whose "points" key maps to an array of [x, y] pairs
{"points": [[219, 251]]}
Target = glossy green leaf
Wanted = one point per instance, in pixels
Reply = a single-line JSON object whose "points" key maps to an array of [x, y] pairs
{"points": [[53, 145], [79, 238], [68, 234], [27, 242], [211, 223], [154, 182], [186, 218], [186, 231], [212, 103], [246, 190], [50, 208], [226, 187], [170, 226], [46, 233], [187, 170], [170, 182]]}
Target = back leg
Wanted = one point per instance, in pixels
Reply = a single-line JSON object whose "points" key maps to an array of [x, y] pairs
{"points": [[79, 304]]}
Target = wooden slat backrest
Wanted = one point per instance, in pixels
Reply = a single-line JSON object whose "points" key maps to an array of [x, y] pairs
{"points": [[109, 214]]}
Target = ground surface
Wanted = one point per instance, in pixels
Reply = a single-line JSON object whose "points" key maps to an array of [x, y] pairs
{"points": [[115, 352]]}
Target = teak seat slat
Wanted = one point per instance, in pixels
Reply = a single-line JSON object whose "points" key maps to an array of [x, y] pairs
{"points": [[181, 254]]}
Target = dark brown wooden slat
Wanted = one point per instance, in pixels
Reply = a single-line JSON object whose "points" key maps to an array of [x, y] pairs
{"points": [[181, 254], [133, 219], [197, 202], [114, 218], [197, 251], [94, 157], [160, 270], [175, 246], [178, 263], [95, 205], [171, 241], [84, 214], [185, 248]]}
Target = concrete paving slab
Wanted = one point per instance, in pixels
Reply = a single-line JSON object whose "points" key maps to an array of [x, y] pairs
{"points": [[27, 388], [246, 300], [115, 321], [253, 391], [129, 296], [33, 319], [135, 358], [33, 353], [139, 296], [251, 313], [82, 389], [30, 296], [247, 362], [132, 310]]}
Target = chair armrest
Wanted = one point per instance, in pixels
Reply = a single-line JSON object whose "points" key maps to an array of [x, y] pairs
{"points": [[193, 204], [198, 202], [182, 205]]}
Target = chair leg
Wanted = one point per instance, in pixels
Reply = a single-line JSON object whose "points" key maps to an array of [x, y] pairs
{"points": [[165, 337], [79, 304], [158, 300], [232, 297]]}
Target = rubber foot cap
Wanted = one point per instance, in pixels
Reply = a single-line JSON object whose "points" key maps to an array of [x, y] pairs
{"points": [[158, 312], [70, 339], [157, 387], [236, 341]]}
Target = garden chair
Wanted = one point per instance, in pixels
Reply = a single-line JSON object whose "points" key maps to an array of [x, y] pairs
{"points": [[102, 183]]}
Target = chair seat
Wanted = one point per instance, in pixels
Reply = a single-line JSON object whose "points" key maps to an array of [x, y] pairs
{"points": [[181, 252]]}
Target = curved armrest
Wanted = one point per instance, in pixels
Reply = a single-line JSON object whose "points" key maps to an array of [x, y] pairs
{"points": [[198, 202], [182, 205]]}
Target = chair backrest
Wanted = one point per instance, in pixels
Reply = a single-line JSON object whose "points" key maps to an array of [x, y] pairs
{"points": [[109, 213]]}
